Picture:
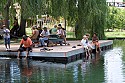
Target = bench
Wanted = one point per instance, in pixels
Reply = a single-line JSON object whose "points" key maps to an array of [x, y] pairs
{"points": [[55, 39]]}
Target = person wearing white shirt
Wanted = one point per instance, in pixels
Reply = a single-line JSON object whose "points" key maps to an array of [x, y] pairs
{"points": [[44, 36], [61, 33], [6, 36], [86, 46]]}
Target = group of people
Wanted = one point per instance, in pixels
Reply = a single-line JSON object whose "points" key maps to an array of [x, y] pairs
{"points": [[89, 46], [27, 42], [43, 35]]}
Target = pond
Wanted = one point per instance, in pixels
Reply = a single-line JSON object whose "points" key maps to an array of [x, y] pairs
{"points": [[106, 68]]}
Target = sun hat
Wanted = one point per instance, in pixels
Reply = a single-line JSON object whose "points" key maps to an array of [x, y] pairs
{"points": [[4, 25], [84, 36]]}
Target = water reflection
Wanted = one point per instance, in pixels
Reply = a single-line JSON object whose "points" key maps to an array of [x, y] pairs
{"points": [[93, 72], [26, 67], [108, 68], [113, 66], [25, 71]]}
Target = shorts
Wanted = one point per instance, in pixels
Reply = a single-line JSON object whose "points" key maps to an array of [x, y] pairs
{"points": [[21, 49], [6, 41]]}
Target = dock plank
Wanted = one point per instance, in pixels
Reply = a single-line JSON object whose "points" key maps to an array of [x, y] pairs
{"points": [[58, 51]]}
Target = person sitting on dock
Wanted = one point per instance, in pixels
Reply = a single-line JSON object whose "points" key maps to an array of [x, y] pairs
{"points": [[35, 35], [44, 36], [86, 46], [98, 49], [61, 33], [25, 45], [95, 40], [54, 30]]}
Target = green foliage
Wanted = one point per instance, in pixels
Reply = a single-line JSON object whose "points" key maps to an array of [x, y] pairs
{"points": [[115, 18], [89, 14], [72, 12], [31, 8], [91, 17]]}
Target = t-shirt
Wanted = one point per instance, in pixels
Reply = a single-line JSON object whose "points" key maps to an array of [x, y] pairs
{"points": [[26, 43], [84, 43], [60, 32], [6, 33], [54, 31], [45, 33]]}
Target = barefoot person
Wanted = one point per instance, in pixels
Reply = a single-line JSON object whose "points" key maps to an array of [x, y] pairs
{"points": [[25, 45], [95, 40], [86, 46]]}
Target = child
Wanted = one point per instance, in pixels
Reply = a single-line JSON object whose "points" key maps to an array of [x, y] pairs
{"points": [[6, 35], [97, 45], [86, 46], [95, 40]]}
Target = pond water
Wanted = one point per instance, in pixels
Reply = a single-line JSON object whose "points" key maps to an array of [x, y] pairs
{"points": [[106, 68]]}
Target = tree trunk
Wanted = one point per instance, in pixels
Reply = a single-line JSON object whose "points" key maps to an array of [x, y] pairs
{"points": [[6, 13], [7, 17], [22, 30], [91, 18]]}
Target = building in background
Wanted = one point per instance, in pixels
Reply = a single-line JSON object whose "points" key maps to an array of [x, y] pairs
{"points": [[116, 3]]}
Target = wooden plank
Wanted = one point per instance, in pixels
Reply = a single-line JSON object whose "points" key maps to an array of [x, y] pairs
{"points": [[58, 51]]}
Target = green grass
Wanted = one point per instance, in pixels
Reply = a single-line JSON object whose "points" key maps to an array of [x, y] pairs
{"points": [[115, 34], [28, 31], [69, 34]]}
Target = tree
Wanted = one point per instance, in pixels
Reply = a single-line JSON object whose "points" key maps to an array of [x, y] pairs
{"points": [[91, 17], [5, 4], [115, 18], [30, 8]]}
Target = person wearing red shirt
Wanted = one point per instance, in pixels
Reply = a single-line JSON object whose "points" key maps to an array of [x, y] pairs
{"points": [[25, 45]]}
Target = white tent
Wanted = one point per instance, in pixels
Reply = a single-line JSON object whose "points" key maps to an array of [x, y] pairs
{"points": [[114, 0]]}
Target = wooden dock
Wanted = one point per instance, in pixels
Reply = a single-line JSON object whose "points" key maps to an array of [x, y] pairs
{"points": [[63, 54]]}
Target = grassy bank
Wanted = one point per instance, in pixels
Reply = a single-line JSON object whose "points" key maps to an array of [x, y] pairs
{"points": [[115, 34]]}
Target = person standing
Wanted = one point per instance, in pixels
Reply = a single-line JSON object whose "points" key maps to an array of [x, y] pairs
{"points": [[25, 45], [6, 35]]}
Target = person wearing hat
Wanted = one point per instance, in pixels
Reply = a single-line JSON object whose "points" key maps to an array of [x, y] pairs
{"points": [[25, 45], [86, 46], [44, 35], [6, 35]]}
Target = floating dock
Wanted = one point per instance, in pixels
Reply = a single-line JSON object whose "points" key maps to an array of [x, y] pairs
{"points": [[63, 54]]}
